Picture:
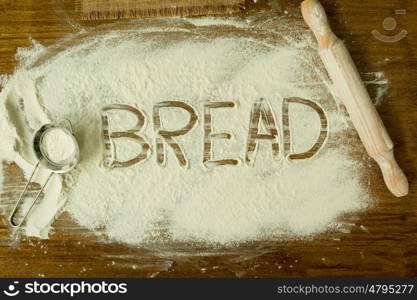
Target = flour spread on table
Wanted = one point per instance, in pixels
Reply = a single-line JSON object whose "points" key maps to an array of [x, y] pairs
{"points": [[208, 123]]}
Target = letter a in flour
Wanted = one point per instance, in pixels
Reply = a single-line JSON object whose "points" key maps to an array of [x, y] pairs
{"points": [[261, 113], [132, 134]]}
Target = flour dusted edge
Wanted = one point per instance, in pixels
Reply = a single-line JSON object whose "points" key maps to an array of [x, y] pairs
{"points": [[274, 198]]}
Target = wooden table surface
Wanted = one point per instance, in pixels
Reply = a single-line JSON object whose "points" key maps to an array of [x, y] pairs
{"points": [[383, 240]]}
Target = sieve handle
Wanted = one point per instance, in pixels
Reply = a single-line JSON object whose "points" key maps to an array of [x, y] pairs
{"points": [[12, 215], [69, 125]]}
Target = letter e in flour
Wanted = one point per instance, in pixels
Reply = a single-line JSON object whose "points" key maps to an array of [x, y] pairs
{"points": [[209, 135]]}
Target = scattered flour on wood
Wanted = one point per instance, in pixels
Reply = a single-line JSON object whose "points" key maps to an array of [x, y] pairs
{"points": [[140, 66]]}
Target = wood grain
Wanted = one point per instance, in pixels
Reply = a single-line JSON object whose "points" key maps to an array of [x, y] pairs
{"points": [[382, 241], [122, 9]]}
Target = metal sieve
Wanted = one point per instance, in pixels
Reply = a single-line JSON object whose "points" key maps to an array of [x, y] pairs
{"points": [[41, 154]]}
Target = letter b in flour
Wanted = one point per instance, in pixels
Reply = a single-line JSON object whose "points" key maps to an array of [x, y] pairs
{"points": [[132, 134]]}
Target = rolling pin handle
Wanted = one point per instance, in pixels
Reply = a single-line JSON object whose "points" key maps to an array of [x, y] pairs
{"points": [[393, 175], [352, 91], [316, 19]]}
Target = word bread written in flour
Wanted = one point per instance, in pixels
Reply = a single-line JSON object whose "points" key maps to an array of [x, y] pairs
{"points": [[262, 127]]}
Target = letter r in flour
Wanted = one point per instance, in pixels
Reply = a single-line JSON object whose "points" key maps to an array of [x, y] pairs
{"points": [[168, 136], [108, 137]]}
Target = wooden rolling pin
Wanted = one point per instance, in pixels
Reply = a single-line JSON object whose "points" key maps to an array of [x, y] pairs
{"points": [[350, 88]]}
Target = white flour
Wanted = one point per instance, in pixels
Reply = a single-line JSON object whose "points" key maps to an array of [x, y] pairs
{"points": [[58, 145], [276, 198]]}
